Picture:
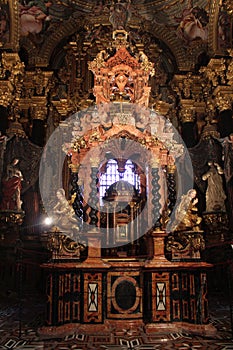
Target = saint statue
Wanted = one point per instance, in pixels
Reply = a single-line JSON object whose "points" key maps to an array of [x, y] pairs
{"points": [[11, 188], [120, 14], [215, 196]]}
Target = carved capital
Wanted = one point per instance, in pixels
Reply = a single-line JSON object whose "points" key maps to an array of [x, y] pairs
{"points": [[162, 107], [6, 90], [171, 168], [38, 107], [154, 162], [74, 167], [187, 112]]}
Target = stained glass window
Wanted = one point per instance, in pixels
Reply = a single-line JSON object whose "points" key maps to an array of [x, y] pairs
{"points": [[112, 175]]}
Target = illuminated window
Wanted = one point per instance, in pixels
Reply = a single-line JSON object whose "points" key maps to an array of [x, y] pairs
{"points": [[112, 175]]}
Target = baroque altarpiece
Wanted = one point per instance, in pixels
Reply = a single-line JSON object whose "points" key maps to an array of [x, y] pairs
{"points": [[118, 127]]}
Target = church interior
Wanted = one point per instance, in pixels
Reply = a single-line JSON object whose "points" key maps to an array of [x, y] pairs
{"points": [[116, 170]]}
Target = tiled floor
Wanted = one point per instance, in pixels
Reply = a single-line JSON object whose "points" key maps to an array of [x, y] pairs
{"points": [[31, 316]]}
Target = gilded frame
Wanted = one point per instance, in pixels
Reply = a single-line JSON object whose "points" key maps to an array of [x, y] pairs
{"points": [[13, 42]]}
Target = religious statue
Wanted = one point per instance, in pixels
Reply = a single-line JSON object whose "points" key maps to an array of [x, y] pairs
{"points": [[11, 188], [215, 196], [120, 14], [64, 217], [227, 154], [186, 216]]}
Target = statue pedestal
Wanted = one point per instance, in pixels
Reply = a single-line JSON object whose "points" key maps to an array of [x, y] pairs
{"points": [[158, 258], [94, 249]]}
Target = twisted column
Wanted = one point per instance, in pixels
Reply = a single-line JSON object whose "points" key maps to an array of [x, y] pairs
{"points": [[94, 198], [171, 183], [78, 201], [156, 206]]}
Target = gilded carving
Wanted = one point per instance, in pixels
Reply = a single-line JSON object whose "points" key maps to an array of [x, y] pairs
{"points": [[185, 244], [9, 36], [62, 247], [187, 112], [121, 77]]}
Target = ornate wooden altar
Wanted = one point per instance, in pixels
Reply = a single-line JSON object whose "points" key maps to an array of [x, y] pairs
{"points": [[134, 269]]}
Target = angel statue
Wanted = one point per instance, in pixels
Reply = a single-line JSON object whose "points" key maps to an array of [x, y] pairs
{"points": [[186, 216], [64, 217]]}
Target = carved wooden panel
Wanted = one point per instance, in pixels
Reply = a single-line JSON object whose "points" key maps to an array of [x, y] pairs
{"points": [[63, 291], [193, 308], [204, 300], [49, 289]]}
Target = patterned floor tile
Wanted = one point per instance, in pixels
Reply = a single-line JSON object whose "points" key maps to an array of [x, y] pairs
{"points": [[124, 340]]}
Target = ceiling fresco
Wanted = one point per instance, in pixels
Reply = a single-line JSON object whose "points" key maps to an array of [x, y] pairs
{"points": [[188, 29]]}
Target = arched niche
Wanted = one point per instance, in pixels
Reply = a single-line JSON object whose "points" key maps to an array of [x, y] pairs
{"points": [[90, 152]]}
